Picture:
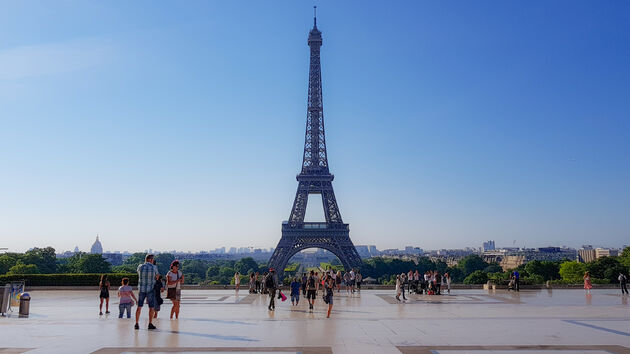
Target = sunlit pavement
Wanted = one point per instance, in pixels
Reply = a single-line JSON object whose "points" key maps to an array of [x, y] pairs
{"points": [[374, 321]]}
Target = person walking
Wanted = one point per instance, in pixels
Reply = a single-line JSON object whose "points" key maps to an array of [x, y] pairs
{"points": [[409, 281], [623, 280], [104, 295], [517, 280], [587, 282], [329, 285], [257, 280], [295, 291], [403, 282], [158, 288], [447, 281], [174, 281], [303, 281], [237, 281], [398, 287], [271, 283], [311, 290], [359, 280], [127, 298], [147, 273], [352, 280], [338, 280]]}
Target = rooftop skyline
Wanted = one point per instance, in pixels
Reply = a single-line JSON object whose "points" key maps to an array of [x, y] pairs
{"points": [[178, 126]]}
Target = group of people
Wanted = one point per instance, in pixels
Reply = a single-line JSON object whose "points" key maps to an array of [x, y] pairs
{"points": [[308, 284], [429, 283], [151, 285], [622, 278]]}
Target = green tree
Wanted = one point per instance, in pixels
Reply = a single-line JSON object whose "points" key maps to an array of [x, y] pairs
{"points": [[246, 265], [546, 269], [476, 277], [194, 270], [606, 268], [471, 263], [92, 263], [135, 259], [44, 258], [493, 268], [7, 261], [624, 257], [21, 268], [164, 261], [572, 271], [213, 272], [125, 268]]}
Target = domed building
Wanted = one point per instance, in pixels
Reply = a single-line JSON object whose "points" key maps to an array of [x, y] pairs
{"points": [[97, 247]]}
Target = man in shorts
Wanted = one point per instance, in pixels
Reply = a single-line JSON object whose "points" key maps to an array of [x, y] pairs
{"points": [[147, 273], [312, 284]]}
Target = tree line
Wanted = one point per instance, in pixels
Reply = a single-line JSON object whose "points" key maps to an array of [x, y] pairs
{"points": [[471, 269]]}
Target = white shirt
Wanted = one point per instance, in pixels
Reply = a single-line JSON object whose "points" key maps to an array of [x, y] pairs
{"points": [[173, 277]]}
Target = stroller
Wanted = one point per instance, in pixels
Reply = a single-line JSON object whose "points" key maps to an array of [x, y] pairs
{"points": [[512, 284]]}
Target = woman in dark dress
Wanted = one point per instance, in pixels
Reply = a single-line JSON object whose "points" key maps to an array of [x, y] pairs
{"points": [[104, 295]]}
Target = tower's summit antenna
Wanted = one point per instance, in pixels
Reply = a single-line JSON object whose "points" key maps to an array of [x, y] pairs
{"points": [[314, 16]]}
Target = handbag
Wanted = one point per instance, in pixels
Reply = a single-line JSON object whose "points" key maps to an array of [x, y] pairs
{"points": [[171, 293]]}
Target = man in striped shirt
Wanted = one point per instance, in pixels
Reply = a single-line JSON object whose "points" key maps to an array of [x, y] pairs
{"points": [[147, 273]]}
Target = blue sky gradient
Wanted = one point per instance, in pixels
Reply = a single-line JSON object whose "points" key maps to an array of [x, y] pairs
{"points": [[180, 125]]}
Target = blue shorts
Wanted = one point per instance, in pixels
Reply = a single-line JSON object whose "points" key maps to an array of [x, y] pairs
{"points": [[295, 297], [149, 295]]}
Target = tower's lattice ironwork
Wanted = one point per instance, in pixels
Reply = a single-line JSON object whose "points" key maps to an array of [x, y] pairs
{"points": [[315, 178]]}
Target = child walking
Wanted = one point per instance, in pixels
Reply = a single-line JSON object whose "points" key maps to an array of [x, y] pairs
{"points": [[125, 293]]}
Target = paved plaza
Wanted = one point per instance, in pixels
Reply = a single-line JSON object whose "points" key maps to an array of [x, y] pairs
{"points": [[467, 321]]}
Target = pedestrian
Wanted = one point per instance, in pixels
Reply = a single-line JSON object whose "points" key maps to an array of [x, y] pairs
{"points": [[353, 280], [338, 280], [295, 291], [158, 288], [147, 273], [303, 281], [517, 280], [257, 280], [271, 283], [252, 283], [104, 295], [330, 287], [623, 280], [359, 280], [416, 280], [587, 282], [346, 281], [311, 290], [403, 282], [174, 281], [398, 287], [237, 281], [447, 281], [263, 289], [438, 283], [409, 281], [127, 298]]}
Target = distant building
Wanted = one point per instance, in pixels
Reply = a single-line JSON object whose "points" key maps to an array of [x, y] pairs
{"points": [[373, 250], [488, 246], [76, 249], [97, 248], [363, 251], [113, 258], [586, 255], [605, 252]]}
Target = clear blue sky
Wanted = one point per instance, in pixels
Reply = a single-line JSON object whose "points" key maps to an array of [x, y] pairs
{"points": [[180, 125]]}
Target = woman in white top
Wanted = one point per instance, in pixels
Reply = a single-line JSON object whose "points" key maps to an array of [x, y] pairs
{"points": [[174, 279], [237, 281]]}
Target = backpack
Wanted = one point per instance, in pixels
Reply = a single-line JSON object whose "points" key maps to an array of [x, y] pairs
{"points": [[269, 281]]}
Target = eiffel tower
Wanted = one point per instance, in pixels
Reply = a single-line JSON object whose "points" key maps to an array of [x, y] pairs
{"points": [[315, 178]]}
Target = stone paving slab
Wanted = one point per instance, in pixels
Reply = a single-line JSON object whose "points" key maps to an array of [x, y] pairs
{"points": [[370, 322]]}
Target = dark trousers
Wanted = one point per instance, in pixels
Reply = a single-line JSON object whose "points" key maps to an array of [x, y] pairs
{"points": [[624, 288], [517, 284], [258, 286], [272, 297]]}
